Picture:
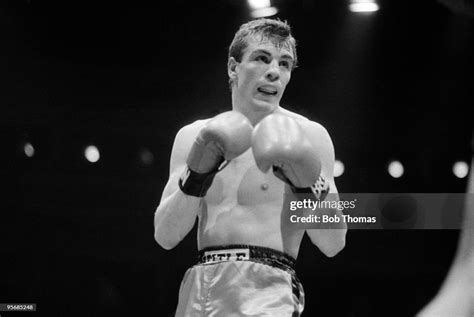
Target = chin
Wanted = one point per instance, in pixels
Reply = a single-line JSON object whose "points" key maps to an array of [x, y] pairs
{"points": [[260, 105]]}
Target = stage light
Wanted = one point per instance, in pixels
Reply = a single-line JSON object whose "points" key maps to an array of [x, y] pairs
{"points": [[395, 169], [363, 6], [264, 12], [258, 4], [92, 153], [261, 8], [29, 149], [460, 169], [338, 168]]}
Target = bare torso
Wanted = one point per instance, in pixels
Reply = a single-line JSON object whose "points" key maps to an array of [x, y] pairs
{"points": [[245, 206]]}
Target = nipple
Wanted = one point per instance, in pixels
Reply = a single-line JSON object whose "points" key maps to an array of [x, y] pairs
{"points": [[264, 186]]}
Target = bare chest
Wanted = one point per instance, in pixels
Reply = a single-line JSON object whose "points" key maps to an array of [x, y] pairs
{"points": [[241, 183], [244, 206]]}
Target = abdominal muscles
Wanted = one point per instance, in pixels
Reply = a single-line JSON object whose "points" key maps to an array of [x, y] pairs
{"points": [[246, 210]]}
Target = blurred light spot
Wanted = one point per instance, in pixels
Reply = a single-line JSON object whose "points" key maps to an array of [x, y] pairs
{"points": [[395, 169], [92, 153], [146, 157], [29, 149], [264, 12], [399, 212], [363, 6], [460, 169], [258, 4], [338, 168]]}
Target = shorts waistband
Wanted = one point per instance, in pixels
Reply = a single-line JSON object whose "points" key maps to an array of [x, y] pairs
{"points": [[244, 252]]}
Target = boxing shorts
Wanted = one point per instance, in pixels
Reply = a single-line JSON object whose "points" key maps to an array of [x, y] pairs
{"points": [[241, 280]]}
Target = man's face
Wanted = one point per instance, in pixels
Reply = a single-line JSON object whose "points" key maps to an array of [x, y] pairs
{"points": [[261, 77]]}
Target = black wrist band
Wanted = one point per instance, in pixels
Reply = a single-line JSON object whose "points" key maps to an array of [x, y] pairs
{"points": [[196, 184]]}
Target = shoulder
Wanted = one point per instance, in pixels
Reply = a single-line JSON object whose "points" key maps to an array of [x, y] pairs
{"points": [[188, 133], [186, 136], [182, 143], [192, 129]]}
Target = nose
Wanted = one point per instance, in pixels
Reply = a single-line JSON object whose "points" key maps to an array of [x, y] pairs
{"points": [[273, 71]]}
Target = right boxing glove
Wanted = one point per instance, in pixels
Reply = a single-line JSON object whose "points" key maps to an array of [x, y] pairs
{"points": [[223, 138]]}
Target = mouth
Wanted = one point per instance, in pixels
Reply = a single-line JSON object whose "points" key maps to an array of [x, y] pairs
{"points": [[267, 90]]}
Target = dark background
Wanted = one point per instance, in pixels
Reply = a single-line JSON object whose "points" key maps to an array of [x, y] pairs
{"points": [[77, 238]]}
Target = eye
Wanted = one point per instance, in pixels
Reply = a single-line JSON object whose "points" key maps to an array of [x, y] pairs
{"points": [[263, 58], [285, 64]]}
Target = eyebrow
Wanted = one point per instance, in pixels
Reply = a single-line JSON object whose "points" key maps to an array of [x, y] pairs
{"points": [[260, 51]]}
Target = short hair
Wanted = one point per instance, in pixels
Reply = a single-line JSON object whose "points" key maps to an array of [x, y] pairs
{"points": [[276, 31]]}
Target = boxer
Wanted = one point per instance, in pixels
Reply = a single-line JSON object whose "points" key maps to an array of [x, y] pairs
{"points": [[234, 172]]}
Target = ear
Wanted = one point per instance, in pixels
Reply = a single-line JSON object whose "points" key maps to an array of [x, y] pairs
{"points": [[231, 68]]}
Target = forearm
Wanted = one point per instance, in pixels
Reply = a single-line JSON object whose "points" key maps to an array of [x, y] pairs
{"points": [[175, 217], [330, 236]]}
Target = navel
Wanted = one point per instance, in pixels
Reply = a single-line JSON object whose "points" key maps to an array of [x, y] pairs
{"points": [[264, 186]]}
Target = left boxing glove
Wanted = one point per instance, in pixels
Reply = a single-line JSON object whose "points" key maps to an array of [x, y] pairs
{"points": [[278, 141], [223, 138]]}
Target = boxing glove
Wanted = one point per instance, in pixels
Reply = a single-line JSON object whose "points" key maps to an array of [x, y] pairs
{"points": [[223, 138], [278, 141]]}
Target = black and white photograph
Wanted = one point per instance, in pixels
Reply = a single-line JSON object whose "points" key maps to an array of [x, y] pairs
{"points": [[234, 158]]}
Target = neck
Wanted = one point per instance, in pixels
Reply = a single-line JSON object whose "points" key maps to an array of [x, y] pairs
{"points": [[254, 116]]}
